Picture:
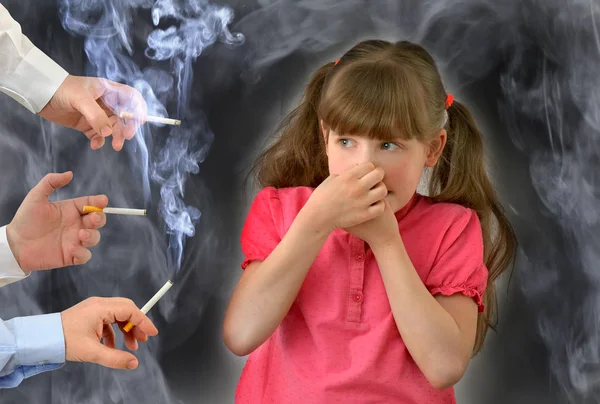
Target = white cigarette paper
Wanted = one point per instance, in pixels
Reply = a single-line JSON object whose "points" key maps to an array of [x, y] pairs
{"points": [[156, 297], [151, 118], [125, 211], [151, 303]]}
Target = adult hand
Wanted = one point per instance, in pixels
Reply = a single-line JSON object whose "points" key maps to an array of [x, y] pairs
{"points": [[46, 235], [91, 105], [89, 323]]}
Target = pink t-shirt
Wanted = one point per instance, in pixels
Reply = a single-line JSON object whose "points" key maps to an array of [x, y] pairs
{"points": [[339, 342]]}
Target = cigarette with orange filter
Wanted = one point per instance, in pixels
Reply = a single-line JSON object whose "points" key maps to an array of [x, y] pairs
{"points": [[151, 118], [151, 302], [115, 211]]}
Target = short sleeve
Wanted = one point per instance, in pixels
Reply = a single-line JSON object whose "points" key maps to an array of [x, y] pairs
{"points": [[459, 265], [261, 232]]}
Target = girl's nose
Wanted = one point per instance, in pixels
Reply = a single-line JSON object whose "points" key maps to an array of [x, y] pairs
{"points": [[368, 155]]}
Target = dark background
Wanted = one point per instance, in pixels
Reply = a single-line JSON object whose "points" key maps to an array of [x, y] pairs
{"points": [[527, 68]]}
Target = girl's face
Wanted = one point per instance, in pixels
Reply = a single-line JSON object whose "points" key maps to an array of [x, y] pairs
{"points": [[402, 160]]}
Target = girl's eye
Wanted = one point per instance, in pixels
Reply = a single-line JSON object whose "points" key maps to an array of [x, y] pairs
{"points": [[389, 146], [346, 142]]}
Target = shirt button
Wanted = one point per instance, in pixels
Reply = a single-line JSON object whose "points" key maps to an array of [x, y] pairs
{"points": [[358, 297], [360, 257]]}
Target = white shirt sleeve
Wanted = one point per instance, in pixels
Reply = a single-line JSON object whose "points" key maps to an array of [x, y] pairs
{"points": [[26, 74], [9, 268]]}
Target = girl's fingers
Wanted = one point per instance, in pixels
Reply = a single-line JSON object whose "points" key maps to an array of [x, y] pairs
{"points": [[377, 193], [370, 179]]}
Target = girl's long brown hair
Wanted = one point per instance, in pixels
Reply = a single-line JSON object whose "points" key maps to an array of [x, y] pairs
{"points": [[388, 90]]}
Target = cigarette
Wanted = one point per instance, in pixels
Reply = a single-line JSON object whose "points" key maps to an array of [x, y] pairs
{"points": [[115, 211], [151, 302], [151, 118]]}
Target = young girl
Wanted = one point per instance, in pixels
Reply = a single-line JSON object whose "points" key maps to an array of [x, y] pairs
{"points": [[356, 288]]}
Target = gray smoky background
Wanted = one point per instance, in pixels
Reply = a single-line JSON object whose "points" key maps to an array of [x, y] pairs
{"points": [[230, 71]]}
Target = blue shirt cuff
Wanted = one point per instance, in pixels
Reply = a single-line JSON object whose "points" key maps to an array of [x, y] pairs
{"points": [[24, 372], [40, 339]]}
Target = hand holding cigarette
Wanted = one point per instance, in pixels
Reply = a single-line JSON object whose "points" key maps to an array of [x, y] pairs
{"points": [[80, 325], [47, 235], [89, 105]]}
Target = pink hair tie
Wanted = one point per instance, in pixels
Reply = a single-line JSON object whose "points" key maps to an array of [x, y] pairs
{"points": [[337, 61]]}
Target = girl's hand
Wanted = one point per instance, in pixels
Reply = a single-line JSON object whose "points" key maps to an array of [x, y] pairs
{"points": [[345, 200], [380, 230]]}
